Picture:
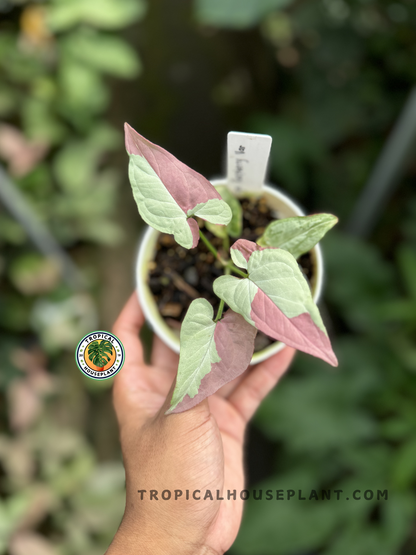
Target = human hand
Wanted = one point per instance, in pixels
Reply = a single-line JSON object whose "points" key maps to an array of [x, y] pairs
{"points": [[198, 449]]}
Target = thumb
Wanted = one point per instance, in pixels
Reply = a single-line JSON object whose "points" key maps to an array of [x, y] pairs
{"points": [[201, 409]]}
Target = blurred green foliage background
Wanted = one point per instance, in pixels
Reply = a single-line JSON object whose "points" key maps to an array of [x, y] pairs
{"points": [[327, 79]]}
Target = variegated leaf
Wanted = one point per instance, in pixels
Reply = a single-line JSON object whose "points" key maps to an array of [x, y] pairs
{"points": [[212, 353], [275, 298], [297, 235], [234, 228], [168, 193]]}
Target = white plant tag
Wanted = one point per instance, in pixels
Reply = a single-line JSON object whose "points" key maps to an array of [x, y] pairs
{"points": [[247, 157]]}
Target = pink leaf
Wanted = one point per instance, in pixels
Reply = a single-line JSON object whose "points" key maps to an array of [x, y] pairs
{"points": [[169, 195], [299, 332], [246, 247], [186, 186], [234, 340], [275, 298]]}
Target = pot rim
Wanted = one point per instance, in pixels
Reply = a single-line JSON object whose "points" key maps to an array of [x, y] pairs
{"points": [[146, 299]]}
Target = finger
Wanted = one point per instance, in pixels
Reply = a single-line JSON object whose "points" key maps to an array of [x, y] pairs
{"points": [[259, 382], [226, 390], [190, 416], [128, 383], [127, 328], [163, 357]]}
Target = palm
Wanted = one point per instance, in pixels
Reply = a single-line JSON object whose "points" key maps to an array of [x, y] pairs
{"points": [[140, 391]]}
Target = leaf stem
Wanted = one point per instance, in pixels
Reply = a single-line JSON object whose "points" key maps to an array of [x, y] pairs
{"points": [[237, 271], [226, 264], [220, 309], [211, 248]]}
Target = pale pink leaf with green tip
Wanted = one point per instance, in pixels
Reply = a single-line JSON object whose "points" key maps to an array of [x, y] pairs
{"points": [[212, 354], [275, 298], [169, 193]]}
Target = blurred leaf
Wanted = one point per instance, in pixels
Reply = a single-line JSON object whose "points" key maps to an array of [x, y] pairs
{"points": [[409, 224], [7, 101], [100, 504], [9, 371], [398, 518], [407, 263], [38, 183], [273, 527], [104, 53], [404, 466], [235, 14], [40, 122], [294, 147], [15, 312], [105, 14], [76, 164], [359, 280], [61, 323], [330, 417], [21, 155], [102, 232], [20, 65], [384, 538], [70, 477], [11, 512], [398, 310], [82, 89], [26, 542], [33, 274], [24, 405], [11, 231], [235, 226]]}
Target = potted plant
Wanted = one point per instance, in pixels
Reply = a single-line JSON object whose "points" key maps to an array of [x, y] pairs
{"points": [[262, 284]]}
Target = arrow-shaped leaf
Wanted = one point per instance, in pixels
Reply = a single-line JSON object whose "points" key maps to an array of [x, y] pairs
{"points": [[235, 226], [212, 353], [275, 298], [168, 193], [297, 235]]}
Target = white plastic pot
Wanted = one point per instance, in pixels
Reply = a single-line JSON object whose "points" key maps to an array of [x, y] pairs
{"points": [[284, 208]]}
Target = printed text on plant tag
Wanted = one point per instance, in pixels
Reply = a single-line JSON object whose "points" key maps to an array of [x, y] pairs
{"points": [[247, 157]]}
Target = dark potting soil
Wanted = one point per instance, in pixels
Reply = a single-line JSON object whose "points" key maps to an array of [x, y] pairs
{"points": [[177, 276]]}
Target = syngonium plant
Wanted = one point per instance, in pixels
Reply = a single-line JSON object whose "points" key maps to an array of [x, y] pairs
{"points": [[268, 291]]}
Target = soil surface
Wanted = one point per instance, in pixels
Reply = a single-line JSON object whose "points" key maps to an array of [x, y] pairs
{"points": [[177, 276]]}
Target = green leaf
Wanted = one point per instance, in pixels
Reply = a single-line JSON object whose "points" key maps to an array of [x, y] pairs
{"points": [[235, 14], [297, 235], [214, 210], [105, 14], [32, 273], [8, 101], [82, 88], [198, 350], [404, 466], [234, 228], [76, 164], [407, 264], [39, 121], [105, 53]]}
